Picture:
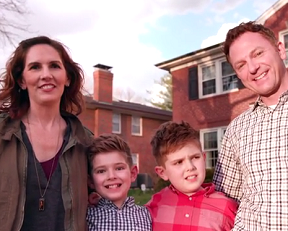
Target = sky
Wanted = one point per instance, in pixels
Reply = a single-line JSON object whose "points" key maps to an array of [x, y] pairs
{"points": [[133, 35]]}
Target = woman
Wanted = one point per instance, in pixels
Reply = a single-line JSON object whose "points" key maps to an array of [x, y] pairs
{"points": [[43, 166]]}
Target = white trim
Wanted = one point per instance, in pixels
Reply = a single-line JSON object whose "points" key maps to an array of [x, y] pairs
{"points": [[117, 132], [137, 160], [281, 39], [218, 78], [272, 10], [220, 133]]}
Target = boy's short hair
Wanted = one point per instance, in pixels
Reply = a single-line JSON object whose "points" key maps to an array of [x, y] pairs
{"points": [[251, 26], [108, 143], [172, 136]]}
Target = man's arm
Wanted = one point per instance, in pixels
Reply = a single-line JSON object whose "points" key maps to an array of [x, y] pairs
{"points": [[228, 175]]}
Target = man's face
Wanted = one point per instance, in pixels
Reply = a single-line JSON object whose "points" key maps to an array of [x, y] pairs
{"points": [[259, 65]]}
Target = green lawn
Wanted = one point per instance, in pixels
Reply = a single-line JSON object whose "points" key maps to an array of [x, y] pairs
{"points": [[141, 198]]}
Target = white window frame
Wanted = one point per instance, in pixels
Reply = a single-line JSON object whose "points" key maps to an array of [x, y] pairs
{"points": [[220, 133], [119, 131], [218, 80], [281, 39], [140, 125], [137, 160]]}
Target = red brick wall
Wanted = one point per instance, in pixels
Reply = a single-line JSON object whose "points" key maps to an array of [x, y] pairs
{"points": [[87, 118], [103, 121], [209, 112], [277, 22], [141, 144]]}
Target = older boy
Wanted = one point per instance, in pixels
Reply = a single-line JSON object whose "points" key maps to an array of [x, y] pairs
{"points": [[112, 172], [187, 204]]}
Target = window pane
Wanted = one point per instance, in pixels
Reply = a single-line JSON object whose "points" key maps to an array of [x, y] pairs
{"points": [[135, 159], [211, 158], [116, 122], [286, 41], [136, 125], [208, 72], [226, 69], [230, 82], [209, 87], [210, 140], [135, 129]]}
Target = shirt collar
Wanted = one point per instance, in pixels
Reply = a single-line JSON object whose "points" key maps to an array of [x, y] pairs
{"points": [[259, 102], [103, 202], [208, 188]]}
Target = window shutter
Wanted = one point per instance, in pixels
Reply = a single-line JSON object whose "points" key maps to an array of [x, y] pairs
{"points": [[193, 83], [240, 84]]}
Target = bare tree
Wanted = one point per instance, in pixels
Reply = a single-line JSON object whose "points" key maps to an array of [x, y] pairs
{"points": [[128, 95], [11, 12]]}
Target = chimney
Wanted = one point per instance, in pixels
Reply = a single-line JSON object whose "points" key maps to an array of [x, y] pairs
{"points": [[103, 83]]}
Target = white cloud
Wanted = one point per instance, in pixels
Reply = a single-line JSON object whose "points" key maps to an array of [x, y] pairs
{"points": [[225, 5], [107, 32], [221, 34]]}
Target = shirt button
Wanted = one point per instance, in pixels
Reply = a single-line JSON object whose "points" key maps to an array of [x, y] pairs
{"points": [[190, 198], [187, 215]]}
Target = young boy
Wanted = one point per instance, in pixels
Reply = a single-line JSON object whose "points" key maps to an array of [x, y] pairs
{"points": [[111, 175], [187, 204]]}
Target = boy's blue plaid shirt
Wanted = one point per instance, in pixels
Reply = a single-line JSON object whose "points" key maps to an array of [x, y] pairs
{"points": [[108, 217]]}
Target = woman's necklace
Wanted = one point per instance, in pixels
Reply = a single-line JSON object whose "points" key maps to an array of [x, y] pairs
{"points": [[42, 194]]}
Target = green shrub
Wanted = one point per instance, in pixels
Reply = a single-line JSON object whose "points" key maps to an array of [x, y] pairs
{"points": [[141, 197], [209, 175]]}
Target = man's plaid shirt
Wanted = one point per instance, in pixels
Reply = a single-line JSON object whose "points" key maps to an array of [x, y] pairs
{"points": [[108, 217], [206, 210], [252, 166]]}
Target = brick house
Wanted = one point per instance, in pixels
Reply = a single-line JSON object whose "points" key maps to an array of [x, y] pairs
{"points": [[135, 123], [206, 91]]}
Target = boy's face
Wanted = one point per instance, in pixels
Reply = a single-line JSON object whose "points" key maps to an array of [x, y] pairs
{"points": [[112, 176], [185, 169]]}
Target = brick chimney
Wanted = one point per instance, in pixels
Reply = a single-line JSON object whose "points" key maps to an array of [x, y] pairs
{"points": [[103, 88], [103, 83]]}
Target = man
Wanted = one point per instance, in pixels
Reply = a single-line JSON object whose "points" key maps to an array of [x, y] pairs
{"points": [[253, 163]]}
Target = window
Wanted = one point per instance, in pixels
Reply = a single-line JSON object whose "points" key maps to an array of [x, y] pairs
{"points": [[217, 77], [211, 143], [116, 127], [135, 160], [209, 80], [283, 37], [286, 48], [229, 78], [136, 127]]}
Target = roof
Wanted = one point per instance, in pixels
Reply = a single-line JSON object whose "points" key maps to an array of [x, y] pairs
{"points": [[194, 55], [130, 109], [270, 11]]}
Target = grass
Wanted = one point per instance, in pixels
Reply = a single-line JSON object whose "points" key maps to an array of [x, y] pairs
{"points": [[141, 197]]}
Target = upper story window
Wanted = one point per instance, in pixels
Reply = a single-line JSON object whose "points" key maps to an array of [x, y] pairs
{"points": [[211, 142], [116, 126], [283, 37], [136, 126], [229, 78], [209, 79], [212, 78], [217, 78]]}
